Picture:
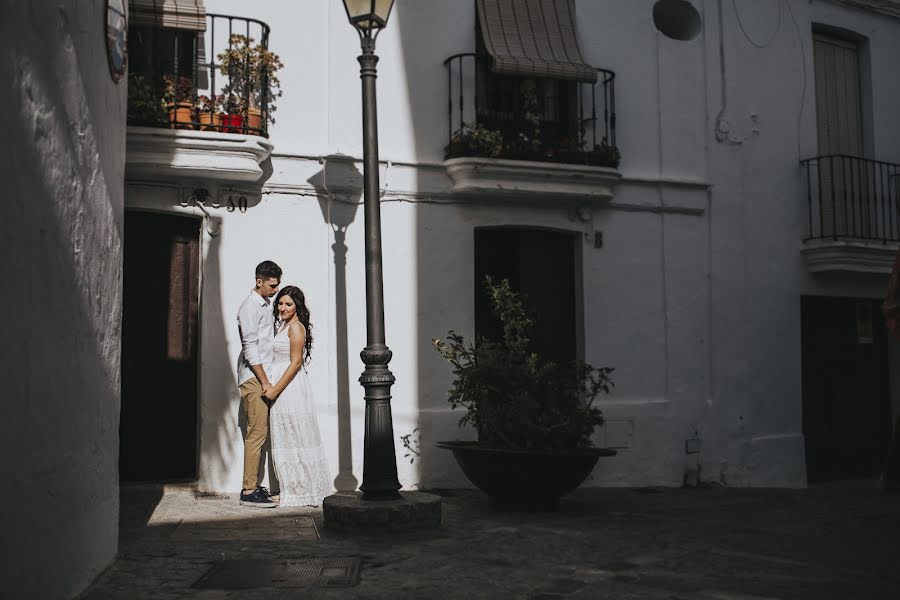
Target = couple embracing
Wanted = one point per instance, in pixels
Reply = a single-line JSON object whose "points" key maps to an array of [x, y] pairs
{"points": [[276, 338]]}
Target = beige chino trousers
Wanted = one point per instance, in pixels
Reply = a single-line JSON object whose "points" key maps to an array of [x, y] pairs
{"points": [[257, 411]]}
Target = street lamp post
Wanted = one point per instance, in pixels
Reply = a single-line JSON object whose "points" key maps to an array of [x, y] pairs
{"points": [[380, 481]]}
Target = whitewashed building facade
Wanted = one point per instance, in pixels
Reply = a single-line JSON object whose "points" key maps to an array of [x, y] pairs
{"points": [[710, 236], [730, 267]]}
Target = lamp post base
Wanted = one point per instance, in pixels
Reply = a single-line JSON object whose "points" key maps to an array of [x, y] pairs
{"points": [[412, 511]]}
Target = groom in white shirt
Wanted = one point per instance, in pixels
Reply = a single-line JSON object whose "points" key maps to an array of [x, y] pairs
{"points": [[256, 324]]}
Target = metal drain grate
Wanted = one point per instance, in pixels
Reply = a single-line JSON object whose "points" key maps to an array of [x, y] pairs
{"points": [[303, 572], [210, 496]]}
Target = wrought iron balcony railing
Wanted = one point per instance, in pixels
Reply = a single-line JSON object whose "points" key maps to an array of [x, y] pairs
{"points": [[519, 118], [850, 197], [223, 79]]}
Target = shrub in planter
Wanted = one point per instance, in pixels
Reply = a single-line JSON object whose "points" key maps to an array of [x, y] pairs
{"points": [[534, 418], [513, 398], [179, 100], [208, 114], [233, 119], [252, 76]]}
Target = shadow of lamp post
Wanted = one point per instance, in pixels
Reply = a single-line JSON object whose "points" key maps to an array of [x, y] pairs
{"points": [[339, 187], [380, 481]]}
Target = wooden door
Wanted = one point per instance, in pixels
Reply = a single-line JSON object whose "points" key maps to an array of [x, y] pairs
{"points": [[843, 180], [158, 429], [846, 400], [539, 264]]}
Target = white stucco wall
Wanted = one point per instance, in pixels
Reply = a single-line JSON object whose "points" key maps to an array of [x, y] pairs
{"points": [[694, 298], [61, 239]]}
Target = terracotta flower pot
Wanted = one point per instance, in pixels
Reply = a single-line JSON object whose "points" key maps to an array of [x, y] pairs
{"points": [[254, 121], [180, 115], [232, 123], [210, 121]]}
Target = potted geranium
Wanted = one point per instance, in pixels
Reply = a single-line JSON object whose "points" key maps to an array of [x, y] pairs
{"points": [[179, 100], [208, 114], [233, 117], [534, 418], [252, 77]]}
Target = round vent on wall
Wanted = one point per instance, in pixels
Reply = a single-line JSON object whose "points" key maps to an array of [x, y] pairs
{"points": [[677, 19]]}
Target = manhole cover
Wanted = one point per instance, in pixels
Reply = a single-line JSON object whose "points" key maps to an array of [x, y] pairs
{"points": [[303, 572]]}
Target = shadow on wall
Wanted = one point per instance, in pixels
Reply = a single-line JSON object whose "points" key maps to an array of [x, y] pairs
{"points": [[61, 240], [221, 418], [217, 454], [339, 188], [429, 32]]}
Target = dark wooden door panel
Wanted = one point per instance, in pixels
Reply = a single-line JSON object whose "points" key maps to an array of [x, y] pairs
{"points": [[158, 430], [846, 402], [540, 265]]}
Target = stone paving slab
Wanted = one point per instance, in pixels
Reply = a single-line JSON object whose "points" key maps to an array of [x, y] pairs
{"points": [[258, 530], [831, 542]]}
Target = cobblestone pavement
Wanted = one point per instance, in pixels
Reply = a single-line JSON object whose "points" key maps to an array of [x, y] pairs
{"points": [[830, 542]]}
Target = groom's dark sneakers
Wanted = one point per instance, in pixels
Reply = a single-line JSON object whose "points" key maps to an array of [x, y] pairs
{"points": [[258, 498]]}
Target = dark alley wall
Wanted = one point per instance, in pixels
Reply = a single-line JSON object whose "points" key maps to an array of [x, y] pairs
{"points": [[63, 122]]}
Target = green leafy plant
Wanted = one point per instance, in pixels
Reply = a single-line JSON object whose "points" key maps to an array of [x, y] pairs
{"points": [[475, 140], [410, 442], [252, 75], [178, 89], [512, 397], [145, 105]]}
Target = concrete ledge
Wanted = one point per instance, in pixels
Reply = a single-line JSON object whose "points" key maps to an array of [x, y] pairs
{"points": [[517, 179], [414, 511], [861, 256], [177, 154]]}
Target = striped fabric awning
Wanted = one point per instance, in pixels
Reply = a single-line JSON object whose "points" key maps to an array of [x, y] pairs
{"points": [[533, 38], [174, 14]]}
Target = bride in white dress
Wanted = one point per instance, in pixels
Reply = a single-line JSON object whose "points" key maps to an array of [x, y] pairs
{"points": [[297, 451]]}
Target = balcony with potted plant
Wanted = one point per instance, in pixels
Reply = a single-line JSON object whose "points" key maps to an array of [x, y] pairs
{"points": [[521, 136], [200, 102]]}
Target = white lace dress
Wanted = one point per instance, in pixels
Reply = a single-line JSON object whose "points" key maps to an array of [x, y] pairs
{"points": [[297, 450]]}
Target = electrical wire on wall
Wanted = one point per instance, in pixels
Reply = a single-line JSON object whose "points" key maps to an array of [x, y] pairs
{"points": [[740, 23], [722, 127]]}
